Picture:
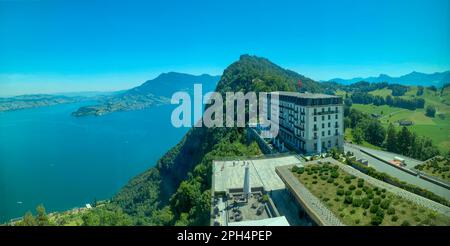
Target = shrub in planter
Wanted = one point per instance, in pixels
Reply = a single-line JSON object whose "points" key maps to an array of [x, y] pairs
{"points": [[366, 204], [385, 204], [390, 211], [334, 174], [373, 208], [376, 200], [356, 203], [405, 223], [376, 220], [348, 199]]}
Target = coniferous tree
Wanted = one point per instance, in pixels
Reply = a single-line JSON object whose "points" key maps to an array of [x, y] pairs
{"points": [[391, 139], [404, 141]]}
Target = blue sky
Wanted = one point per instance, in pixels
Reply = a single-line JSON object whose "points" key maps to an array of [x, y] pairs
{"points": [[51, 46]]}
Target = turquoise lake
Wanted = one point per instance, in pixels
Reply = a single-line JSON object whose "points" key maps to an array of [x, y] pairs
{"points": [[48, 156]]}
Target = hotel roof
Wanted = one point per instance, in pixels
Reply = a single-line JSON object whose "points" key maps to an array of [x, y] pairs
{"points": [[305, 95]]}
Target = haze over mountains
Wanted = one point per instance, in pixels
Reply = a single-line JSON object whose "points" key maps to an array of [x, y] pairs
{"points": [[437, 79]]}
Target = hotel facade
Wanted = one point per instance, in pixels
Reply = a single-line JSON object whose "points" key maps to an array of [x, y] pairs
{"points": [[310, 123]]}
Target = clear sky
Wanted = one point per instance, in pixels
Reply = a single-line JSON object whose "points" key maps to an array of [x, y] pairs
{"points": [[51, 46]]}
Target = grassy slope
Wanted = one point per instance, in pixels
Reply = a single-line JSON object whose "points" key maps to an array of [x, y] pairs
{"points": [[435, 128]]}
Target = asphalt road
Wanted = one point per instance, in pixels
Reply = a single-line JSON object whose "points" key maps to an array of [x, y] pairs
{"points": [[395, 172]]}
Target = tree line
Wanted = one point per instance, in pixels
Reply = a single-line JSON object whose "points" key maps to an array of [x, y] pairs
{"points": [[403, 141], [366, 98]]}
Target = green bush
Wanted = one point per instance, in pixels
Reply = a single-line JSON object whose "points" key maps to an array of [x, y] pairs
{"points": [[383, 196], [357, 221], [330, 180], [373, 208], [405, 223], [394, 218], [391, 211], [376, 220], [356, 203], [348, 199], [366, 204], [323, 177], [352, 187], [385, 204], [348, 193], [376, 200], [358, 192], [334, 174], [352, 211], [340, 192], [314, 182], [370, 196]]}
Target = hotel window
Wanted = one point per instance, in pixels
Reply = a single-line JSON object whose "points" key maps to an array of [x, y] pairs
{"points": [[323, 125], [323, 134], [329, 124], [323, 117], [336, 116], [329, 132], [329, 109], [315, 118], [329, 117], [329, 143], [336, 131]]}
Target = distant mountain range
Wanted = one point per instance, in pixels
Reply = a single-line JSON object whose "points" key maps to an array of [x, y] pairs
{"points": [[35, 100], [152, 92], [414, 78]]}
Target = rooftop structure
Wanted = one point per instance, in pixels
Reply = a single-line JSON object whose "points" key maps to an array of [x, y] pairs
{"points": [[267, 200]]}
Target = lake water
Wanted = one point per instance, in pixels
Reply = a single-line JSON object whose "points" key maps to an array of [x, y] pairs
{"points": [[48, 156]]}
